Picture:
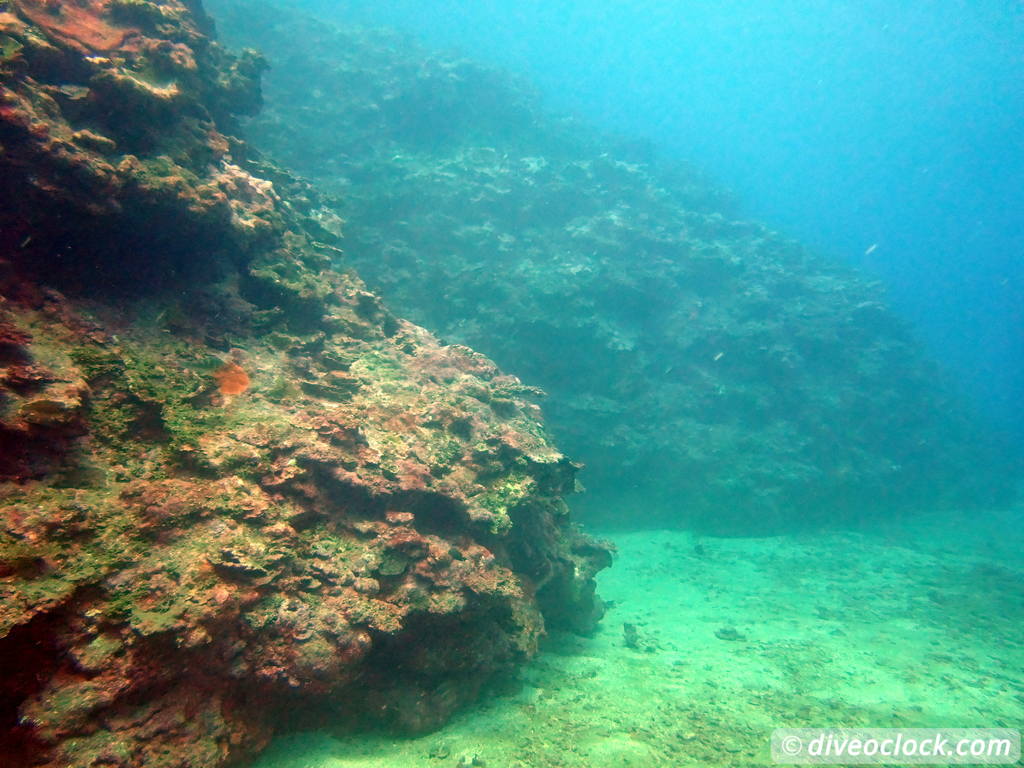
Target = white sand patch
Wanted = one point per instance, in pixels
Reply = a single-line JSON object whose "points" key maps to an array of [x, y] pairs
{"points": [[730, 638]]}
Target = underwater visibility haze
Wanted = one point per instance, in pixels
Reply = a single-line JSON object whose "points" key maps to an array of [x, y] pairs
{"points": [[886, 134], [523, 384]]}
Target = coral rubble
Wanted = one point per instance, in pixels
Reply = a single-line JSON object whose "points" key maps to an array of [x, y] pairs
{"points": [[233, 485], [706, 369]]}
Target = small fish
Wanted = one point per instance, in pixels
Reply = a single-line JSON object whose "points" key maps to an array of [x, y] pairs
{"points": [[871, 249], [718, 357]]}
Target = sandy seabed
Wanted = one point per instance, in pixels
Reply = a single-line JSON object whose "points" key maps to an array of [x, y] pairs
{"points": [[711, 643]]}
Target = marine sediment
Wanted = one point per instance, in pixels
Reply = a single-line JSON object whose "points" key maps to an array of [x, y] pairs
{"points": [[234, 485]]}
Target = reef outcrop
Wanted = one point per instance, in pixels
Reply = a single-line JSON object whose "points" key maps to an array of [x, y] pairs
{"points": [[233, 484], [707, 370]]}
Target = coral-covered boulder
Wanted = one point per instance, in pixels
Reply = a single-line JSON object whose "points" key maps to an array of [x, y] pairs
{"points": [[232, 484]]}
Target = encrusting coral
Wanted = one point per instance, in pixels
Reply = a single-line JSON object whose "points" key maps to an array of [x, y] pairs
{"points": [[231, 379], [234, 486]]}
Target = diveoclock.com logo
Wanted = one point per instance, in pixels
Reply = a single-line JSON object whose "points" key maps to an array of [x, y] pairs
{"points": [[909, 746]]}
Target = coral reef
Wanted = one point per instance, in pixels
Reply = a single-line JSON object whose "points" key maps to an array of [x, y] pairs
{"points": [[706, 369], [234, 486]]}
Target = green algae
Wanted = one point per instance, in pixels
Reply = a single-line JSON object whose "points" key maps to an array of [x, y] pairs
{"points": [[382, 369], [392, 563], [141, 13], [445, 453], [500, 500], [97, 362], [169, 390], [10, 48], [281, 388]]}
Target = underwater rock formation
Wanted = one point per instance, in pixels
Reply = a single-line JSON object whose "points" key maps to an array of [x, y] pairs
{"points": [[706, 369], [233, 485]]}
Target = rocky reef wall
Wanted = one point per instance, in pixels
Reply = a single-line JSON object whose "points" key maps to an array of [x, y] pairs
{"points": [[233, 485], [708, 370]]}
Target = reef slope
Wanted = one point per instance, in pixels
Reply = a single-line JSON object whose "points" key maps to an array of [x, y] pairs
{"points": [[234, 486], [708, 370]]}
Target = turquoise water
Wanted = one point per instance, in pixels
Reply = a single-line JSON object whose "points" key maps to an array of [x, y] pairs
{"points": [[846, 124], [706, 368], [340, 358]]}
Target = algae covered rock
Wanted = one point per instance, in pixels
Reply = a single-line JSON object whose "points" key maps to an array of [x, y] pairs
{"points": [[233, 485], [706, 369]]}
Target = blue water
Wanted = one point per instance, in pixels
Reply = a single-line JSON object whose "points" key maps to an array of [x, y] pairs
{"points": [[884, 133]]}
